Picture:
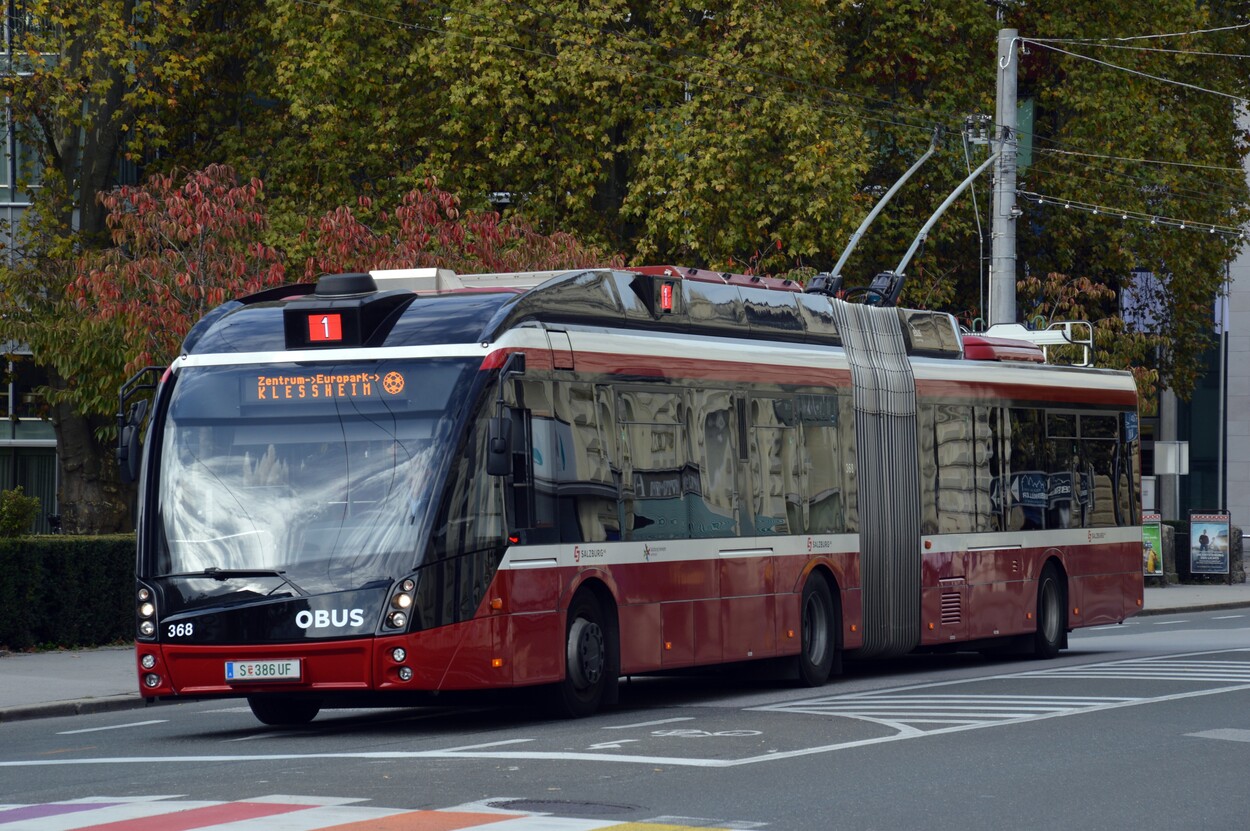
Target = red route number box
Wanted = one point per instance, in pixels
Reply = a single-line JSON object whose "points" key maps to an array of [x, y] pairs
{"points": [[324, 328]]}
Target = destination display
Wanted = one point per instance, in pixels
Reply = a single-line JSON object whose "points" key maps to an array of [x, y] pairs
{"points": [[265, 387]]}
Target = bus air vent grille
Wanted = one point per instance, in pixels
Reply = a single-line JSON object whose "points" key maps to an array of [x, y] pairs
{"points": [[952, 608]]}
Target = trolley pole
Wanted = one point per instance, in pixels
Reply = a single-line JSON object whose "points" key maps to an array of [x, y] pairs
{"points": [[1003, 227]]}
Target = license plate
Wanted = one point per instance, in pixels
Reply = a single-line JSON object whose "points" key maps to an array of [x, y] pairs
{"points": [[279, 669]]}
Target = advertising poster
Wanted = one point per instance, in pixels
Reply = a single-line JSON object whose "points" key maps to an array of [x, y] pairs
{"points": [[1208, 543], [1152, 545]]}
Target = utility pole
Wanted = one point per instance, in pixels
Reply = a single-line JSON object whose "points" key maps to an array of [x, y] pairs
{"points": [[1003, 227]]}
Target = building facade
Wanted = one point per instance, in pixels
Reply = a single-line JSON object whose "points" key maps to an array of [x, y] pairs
{"points": [[1237, 400], [27, 441]]}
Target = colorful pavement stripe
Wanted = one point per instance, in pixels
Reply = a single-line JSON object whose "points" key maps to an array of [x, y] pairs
{"points": [[286, 813]]}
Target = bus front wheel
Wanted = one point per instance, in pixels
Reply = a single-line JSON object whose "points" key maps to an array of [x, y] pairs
{"points": [[588, 673], [282, 710], [819, 628]]}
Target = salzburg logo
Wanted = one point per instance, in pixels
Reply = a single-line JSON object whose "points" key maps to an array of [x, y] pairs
{"points": [[577, 554], [393, 383], [809, 545]]}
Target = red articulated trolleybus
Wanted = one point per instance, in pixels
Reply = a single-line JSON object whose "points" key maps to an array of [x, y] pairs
{"points": [[417, 481]]}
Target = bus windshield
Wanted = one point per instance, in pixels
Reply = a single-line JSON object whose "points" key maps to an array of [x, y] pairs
{"points": [[322, 475]]}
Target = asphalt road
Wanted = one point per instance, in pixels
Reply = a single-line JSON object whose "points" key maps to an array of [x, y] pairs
{"points": [[1142, 725]]}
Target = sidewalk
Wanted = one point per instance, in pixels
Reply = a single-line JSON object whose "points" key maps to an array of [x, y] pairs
{"points": [[44, 684]]}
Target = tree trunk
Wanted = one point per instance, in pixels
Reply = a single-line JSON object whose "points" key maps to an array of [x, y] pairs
{"points": [[92, 498]]}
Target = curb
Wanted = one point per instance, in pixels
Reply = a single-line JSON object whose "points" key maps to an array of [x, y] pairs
{"points": [[73, 707], [1204, 607]]}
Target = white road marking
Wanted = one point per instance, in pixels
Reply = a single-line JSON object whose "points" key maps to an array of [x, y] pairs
{"points": [[1230, 734], [113, 727], [647, 723], [616, 745], [1152, 669]]}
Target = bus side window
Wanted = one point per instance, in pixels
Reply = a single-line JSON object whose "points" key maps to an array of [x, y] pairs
{"points": [[544, 460], [1099, 449], [989, 467], [954, 446], [1026, 480], [822, 465], [653, 450], [927, 449], [774, 465], [713, 506], [586, 491]]}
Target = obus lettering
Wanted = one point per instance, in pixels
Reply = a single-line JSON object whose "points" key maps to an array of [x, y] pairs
{"points": [[329, 618]]}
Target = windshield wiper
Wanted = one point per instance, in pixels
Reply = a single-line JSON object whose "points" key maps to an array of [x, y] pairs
{"points": [[223, 574]]}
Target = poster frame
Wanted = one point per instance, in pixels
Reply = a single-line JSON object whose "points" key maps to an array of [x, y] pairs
{"points": [[1206, 556]]}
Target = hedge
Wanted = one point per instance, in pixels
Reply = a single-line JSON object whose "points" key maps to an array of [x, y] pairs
{"points": [[66, 591]]}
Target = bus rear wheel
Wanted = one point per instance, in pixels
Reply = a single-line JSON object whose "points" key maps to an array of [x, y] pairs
{"points": [[1052, 621], [819, 632], [588, 659], [283, 710]]}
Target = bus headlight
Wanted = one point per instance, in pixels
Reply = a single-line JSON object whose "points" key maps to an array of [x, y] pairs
{"points": [[403, 596], [145, 610], [151, 680], [148, 661]]}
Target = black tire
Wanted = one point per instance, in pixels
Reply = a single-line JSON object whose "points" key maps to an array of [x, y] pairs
{"points": [[283, 710], [589, 662], [818, 626], [1052, 614]]}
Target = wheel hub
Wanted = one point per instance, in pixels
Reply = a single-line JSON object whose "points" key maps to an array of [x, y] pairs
{"points": [[586, 653]]}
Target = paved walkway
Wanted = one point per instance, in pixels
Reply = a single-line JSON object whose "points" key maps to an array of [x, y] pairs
{"points": [[42, 684]]}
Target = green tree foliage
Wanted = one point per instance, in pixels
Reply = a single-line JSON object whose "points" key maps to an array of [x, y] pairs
{"points": [[918, 64], [745, 154], [93, 86], [708, 136], [98, 82], [336, 103], [1092, 121]]}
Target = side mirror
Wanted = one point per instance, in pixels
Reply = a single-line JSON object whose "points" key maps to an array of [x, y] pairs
{"points": [[499, 446], [129, 451], [130, 420]]}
